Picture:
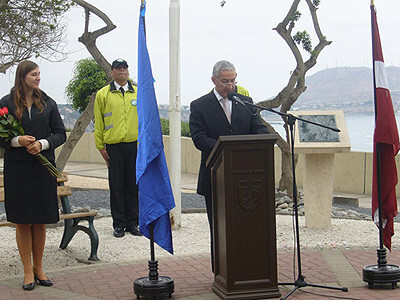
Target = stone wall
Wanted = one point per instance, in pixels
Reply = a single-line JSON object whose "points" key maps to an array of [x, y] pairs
{"points": [[352, 172]]}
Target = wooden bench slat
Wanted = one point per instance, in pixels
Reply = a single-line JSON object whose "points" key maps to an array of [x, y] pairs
{"points": [[63, 190], [63, 178], [62, 217], [77, 215], [6, 223]]}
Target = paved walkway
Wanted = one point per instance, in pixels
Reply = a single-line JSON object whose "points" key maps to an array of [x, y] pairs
{"points": [[192, 274], [193, 278]]}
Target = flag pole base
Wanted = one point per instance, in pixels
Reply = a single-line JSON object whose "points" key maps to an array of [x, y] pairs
{"points": [[162, 287], [153, 286], [381, 275]]}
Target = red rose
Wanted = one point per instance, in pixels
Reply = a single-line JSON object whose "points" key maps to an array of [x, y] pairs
{"points": [[1, 112], [5, 109]]}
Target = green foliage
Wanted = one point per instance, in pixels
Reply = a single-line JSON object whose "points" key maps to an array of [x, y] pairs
{"points": [[9, 126], [316, 2], [164, 126], [185, 131], [295, 16], [304, 38], [31, 28], [88, 78]]}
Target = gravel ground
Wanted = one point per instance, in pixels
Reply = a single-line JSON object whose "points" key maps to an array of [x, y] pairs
{"points": [[192, 238], [97, 199]]}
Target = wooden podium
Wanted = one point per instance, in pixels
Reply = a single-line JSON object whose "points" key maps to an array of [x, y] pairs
{"points": [[243, 199]]}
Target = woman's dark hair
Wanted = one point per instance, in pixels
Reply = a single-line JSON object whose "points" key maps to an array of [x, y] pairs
{"points": [[19, 89]]}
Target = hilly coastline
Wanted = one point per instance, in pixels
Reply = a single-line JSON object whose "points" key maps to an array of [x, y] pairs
{"points": [[345, 88]]}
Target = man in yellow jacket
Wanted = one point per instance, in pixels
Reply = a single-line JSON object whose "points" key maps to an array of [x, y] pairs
{"points": [[116, 134]]}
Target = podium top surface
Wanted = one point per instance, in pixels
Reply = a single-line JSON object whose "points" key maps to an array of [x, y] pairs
{"points": [[239, 139]]}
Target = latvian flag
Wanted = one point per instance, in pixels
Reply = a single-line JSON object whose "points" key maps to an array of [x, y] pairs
{"points": [[386, 142]]}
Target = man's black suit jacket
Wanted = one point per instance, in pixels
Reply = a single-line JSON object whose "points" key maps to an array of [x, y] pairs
{"points": [[208, 121]]}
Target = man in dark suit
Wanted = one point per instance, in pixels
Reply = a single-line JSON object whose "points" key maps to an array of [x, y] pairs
{"points": [[212, 116]]}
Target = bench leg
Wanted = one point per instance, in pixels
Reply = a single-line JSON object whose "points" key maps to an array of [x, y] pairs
{"points": [[94, 239], [69, 232], [71, 227]]}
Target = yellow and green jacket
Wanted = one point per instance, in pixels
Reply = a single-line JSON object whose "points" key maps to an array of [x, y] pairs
{"points": [[241, 90], [115, 116]]}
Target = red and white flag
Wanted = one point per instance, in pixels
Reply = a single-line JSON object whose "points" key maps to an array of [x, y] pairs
{"points": [[387, 136]]}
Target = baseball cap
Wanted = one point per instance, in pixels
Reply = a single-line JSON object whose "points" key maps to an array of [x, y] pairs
{"points": [[118, 62]]}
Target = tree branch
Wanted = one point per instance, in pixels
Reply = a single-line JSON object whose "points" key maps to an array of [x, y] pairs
{"points": [[89, 38], [296, 84], [79, 128], [322, 40], [31, 28], [290, 13]]}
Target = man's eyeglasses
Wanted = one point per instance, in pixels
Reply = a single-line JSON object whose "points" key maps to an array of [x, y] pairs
{"points": [[233, 82]]}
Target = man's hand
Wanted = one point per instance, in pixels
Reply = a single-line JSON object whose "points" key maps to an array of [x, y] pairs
{"points": [[26, 140], [104, 153], [34, 148]]}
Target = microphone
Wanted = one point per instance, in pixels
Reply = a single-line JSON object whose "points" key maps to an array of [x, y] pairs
{"points": [[234, 97]]}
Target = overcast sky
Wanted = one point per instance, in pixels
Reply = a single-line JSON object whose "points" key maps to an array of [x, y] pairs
{"points": [[240, 32]]}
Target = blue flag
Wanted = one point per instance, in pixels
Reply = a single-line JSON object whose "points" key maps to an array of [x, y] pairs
{"points": [[155, 193]]}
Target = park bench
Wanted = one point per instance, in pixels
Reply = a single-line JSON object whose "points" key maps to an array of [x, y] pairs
{"points": [[71, 219]]}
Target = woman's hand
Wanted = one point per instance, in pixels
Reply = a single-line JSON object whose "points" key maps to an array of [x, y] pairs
{"points": [[26, 140], [34, 148]]}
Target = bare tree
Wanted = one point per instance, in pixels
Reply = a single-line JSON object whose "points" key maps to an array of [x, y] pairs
{"points": [[296, 84], [31, 28], [89, 40]]}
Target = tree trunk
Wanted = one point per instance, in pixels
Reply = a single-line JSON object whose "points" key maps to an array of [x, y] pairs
{"points": [[89, 40], [76, 134], [286, 181], [296, 84]]}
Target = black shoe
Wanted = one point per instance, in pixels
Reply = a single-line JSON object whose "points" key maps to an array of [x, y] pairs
{"points": [[28, 286], [133, 230], [119, 232], [44, 282]]}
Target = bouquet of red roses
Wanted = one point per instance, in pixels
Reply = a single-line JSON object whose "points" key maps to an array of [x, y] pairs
{"points": [[10, 127]]}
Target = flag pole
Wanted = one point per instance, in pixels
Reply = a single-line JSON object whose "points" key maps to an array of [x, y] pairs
{"points": [[381, 251], [382, 273], [152, 286]]}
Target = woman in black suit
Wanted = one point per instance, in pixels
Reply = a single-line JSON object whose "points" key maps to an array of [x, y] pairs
{"points": [[30, 191]]}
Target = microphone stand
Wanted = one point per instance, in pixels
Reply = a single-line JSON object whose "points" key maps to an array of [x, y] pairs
{"points": [[291, 120]]}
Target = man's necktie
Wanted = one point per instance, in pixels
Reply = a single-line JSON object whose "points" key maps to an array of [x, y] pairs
{"points": [[122, 90], [227, 111]]}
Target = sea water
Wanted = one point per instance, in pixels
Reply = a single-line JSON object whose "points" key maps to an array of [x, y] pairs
{"points": [[360, 128]]}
